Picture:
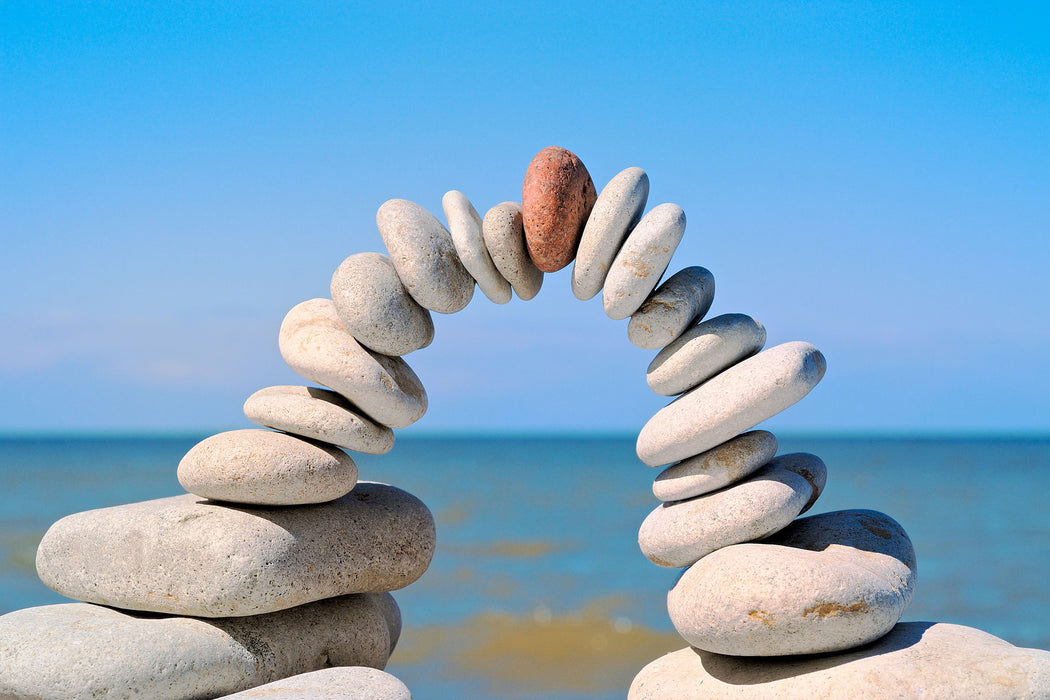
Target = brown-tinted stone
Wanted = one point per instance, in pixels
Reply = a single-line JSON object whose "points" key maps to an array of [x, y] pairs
{"points": [[556, 199]]}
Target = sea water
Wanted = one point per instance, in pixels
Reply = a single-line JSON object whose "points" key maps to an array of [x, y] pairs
{"points": [[538, 589]]}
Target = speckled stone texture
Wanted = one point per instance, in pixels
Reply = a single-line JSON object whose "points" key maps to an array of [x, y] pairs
{"points": [[617, 210], [78, 650], [915, 660], [825, 583], [342, 682], [505, 239], [722, 465], [703, 351], [424, 256], [680, 533], [680, 301], [314, 343], [263, 467], [465, 226], [736, 400], [319, 414], [188, 556], [556, 198], [375, 307], [645, 254]]}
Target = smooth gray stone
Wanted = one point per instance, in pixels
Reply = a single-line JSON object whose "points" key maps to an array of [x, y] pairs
{"points": [[683, 299], [703, 351], [720, 466], [263, 467], [939, 661], [736, 400], [616, 211], [375, 307], [465, 226], [824, 583], [645, 254], [318, 414], [77, 650], [188, 556], [314, 343], [424, 256], [504, 233], [347, 682], [682, 532]]}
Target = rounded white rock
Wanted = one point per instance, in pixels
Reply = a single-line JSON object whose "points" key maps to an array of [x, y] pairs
{"points": [[703, 351], [314, 343], [504, 234], [726, 405], [465, 226], [616, 211], [337, 683], [683, 299], [318, 414], [375, 307], [680, 533], [720, 466], [645, 254], [824, 583], [424, 256]]}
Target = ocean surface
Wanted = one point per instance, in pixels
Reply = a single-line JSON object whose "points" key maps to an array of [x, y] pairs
{"points": [[538, 590]]}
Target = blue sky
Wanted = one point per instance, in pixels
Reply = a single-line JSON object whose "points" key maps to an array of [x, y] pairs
{"points": [[872, 178]]}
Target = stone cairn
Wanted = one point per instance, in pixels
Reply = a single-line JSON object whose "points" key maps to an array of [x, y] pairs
{"points": [[279, 562]]}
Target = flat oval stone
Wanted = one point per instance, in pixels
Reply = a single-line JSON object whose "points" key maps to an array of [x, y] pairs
{"points": [[703, 351], [263, 467], [376, 308], [188, 556], [720, 466], [77, 650], [505, 240], [465, 226], [684, 298], [318, 414], [315, 344], [736, 400], [616, 211], [424, 256], [556, 198], [825, 583], [914, 660], [680, 533], [346, 682], [642, 260]]}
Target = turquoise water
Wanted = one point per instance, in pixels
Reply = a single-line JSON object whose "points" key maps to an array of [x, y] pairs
{"points": [[538, 588]]}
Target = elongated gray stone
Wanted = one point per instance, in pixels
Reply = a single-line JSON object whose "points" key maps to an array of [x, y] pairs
{"points": [[682, 532], [318, 414], [77, 650], [825, 583], [339, 683], [636, 269], [263, 467], [314, 343], [375, 307], [617, 210], [914, 660], [703, 351], [424, 256], [465, 226], [720, 466], [684, 298], [734, 401], [504, 235], [188, 556]]}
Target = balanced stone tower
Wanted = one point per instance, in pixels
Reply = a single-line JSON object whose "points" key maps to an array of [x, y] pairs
{"points": [[278, 563]]}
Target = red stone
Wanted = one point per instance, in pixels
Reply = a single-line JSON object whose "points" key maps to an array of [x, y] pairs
{"points": [[556, 199]]}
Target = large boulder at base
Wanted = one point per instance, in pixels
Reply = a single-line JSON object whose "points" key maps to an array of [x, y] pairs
{"points": [[189, 556], [342, 682], [937, 661], [78, 650]]}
